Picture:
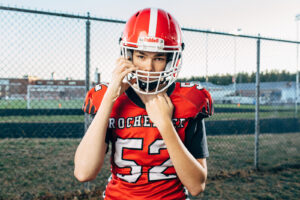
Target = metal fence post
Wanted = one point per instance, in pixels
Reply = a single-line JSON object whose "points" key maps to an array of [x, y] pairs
{"points": [[87, 55], [206, 57], [257, 94], [297, 67], [87, 79]]}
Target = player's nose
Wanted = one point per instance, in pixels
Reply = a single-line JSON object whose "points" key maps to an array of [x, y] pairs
{"points": [[148, 65]]}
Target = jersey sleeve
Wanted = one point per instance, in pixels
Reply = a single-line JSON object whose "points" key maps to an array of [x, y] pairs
{"points": [[195, 138], [202, 100], [94, 98], [92, 103], [199, 97]]}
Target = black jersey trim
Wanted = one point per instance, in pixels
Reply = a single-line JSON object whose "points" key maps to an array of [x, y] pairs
{"points": [[132, 95]]}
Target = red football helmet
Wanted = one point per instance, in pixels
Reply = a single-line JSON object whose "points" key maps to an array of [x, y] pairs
{"points": [[153, 30]]}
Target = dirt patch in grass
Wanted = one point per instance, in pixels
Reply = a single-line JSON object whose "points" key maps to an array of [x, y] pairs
{"points": [[273, 184], [277, 183], [43, 169]]}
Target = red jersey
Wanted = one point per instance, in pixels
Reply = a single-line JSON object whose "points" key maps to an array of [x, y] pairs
{"points": [[140, 163]]}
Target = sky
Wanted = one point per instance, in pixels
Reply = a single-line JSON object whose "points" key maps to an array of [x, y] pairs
{"points": [[269, 18], [274, 18]]}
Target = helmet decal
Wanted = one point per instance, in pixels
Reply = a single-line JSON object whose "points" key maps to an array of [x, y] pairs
{"points": [[153, 22]]}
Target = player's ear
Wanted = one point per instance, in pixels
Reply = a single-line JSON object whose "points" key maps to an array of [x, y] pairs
{"points": [[129, 54]]}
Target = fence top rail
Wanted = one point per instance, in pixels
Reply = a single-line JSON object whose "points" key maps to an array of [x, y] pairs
{"points": [[240, 35], [88, 17]]}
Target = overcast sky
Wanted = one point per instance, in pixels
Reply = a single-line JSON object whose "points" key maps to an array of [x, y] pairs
{"points": [[270, 18], [275, 18]]}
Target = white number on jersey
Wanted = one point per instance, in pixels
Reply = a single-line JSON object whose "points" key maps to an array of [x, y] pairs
{"points": [[132, 143], [155, 173]]}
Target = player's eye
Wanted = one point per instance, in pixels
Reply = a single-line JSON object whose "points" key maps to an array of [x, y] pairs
{"points": [[160, 59], [140, 56]]}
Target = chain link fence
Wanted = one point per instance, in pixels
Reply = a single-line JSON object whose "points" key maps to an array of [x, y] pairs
{"points": [[44, 57]]}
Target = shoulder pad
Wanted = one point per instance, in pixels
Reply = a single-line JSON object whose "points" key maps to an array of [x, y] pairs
{"points": [[94, 98], [199, 96]]}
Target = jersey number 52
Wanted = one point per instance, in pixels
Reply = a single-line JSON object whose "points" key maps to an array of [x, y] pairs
{"points": [[155, 173]]}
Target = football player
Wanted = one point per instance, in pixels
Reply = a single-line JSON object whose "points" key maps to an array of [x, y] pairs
{"points": [[155, 126]]}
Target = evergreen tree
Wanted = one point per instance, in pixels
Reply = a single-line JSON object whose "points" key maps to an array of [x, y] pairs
{"points": [[243, 77]]}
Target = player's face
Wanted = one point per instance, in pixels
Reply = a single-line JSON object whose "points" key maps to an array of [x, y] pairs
{"points": [[149, 61]]}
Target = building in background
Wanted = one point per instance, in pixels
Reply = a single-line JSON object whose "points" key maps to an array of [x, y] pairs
{"points": [[283, 92], [18, 88]]}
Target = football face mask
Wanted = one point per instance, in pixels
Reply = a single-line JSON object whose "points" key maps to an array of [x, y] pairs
{"points": [[153, 30], [147, 82]]}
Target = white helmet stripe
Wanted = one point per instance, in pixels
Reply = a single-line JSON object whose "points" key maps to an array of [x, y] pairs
{"points": [[153, 22]]}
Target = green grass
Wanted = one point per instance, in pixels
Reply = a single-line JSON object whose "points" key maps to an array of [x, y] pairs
{"points": [[43, 118], [80, 118], [251, 115], [38, 167], [237, 151], [248, 106], [255, 186], [19, 104]]}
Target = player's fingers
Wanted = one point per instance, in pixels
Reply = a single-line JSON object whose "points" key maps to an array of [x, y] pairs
{"points": [[161, 97], [148, 98], [127, 70], [133, 80], [124, 86], [143, 98], [119, 60], [168, 99], [124, 66], [123, 60]]}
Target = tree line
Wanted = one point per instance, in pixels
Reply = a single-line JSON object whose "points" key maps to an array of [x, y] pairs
{"points": [[244, 77]]}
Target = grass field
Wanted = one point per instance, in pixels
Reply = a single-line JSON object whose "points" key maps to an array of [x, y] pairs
{"points": [[275, 111], [32, 168], [272, 184], [18, 104], [43, 168], [253, 185], [80, 118], [252, 106]]}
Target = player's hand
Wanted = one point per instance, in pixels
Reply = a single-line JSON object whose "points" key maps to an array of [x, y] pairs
{"points": [[159, 108], [117, 86]]}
